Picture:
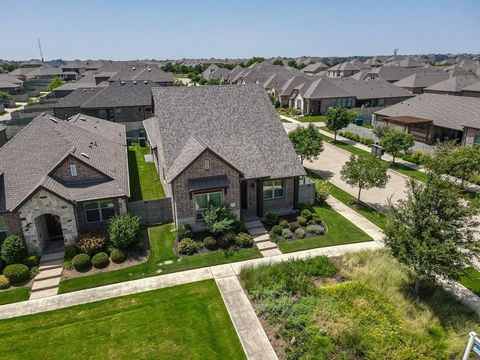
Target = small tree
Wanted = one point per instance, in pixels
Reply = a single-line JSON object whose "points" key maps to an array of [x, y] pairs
{"points": [[307, 142], [123, 230], [13, 249], [218, 218], [365, 172], [4, 95], [278, 62], [338, 118], [393, 141], [56, 82], [433, 230], [464, 162]]}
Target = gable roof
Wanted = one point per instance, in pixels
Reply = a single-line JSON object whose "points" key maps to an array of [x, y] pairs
{"points": [[315, 68], [324, 88], [28, 158], [421, 80], [345, 66], [371, 89], [454, 84], [236, 122], [78, 97], [108, 129]]}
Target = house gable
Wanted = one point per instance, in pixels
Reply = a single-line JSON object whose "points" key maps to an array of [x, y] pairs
{"points": [[66, 170]]}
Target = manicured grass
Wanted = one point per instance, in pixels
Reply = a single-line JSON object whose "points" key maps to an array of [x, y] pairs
{"points": [[182, 322], [340, 231], [405, 170], [144, 180], [161, 260], [364, 209], [471, 280], [14, 295], [285, 121], [316, 118], [364, 310]]}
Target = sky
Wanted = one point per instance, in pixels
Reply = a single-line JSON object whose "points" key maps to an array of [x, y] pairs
{"points": [[164, 29]]}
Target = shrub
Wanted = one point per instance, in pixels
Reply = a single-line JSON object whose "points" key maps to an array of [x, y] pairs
{"points": [[218, 219], [283, 223], [316, 229], [307, 214], [90, 244], [4, 282], [293, 226], [271, 219], [118, 256], [17, 273], [2, 265], [277, 229], [81, 262], [243, 240], [322, 190], [124, 230], [187, 246], [316, 218], [301, 221], [286, 234], [300, 233], [13, 249], [226, 240], [31, 261], [100, 260], [210, 243], [67, 264], [274, 237], [70, 252], [184, 231], [239, 226], [311, 222], [34, 271]]}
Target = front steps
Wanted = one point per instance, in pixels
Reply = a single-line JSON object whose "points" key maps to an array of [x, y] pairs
{"points": [[262, 239], [46, 282]]}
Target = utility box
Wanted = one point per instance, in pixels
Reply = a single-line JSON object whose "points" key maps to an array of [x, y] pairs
{"points": [[377, 150]]}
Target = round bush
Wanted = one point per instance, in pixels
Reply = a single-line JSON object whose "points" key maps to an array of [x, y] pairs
{"points": [[184, 231], [316, 229], [31, 261], [286, 234], [293, 226], [70, 252], [316, 218], [13, 249], [274, 237], [300, 233], [187, 246], [90, 244], [118, 256], [110, 247], [301, 221], [307, 214], [100, 260], [277, 229], [227, 239], [311, 222], [271, 219], [283, 223], [81, 262], [17, 273], [4, 282], [243, 240], [210, 243], [239, 226], [124, 230]]}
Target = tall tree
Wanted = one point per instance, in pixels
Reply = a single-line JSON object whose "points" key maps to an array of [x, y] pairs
{"points": [[465, 161], [307, 142], [56, 82], [365, 172], [433, 230], [393, 141], [277, 62], [338, 118]]}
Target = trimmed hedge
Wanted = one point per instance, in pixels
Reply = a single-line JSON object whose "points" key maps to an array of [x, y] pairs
{"points": [[31, 261], [81, 262], [187, 246], [70, 252], [17, 273], [210, 243], [100, 260], [4, 282], [118, 256], [13, 250]]}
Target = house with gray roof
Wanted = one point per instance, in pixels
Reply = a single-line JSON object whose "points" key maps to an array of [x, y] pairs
{"points": [[416, 83], [222, 144], [50, 191], [434, 117], [315, 68], [472, 90], [343, 70], [455, 85]]}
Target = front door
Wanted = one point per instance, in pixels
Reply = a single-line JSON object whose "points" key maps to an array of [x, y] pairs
{"points": [[54, 226]]}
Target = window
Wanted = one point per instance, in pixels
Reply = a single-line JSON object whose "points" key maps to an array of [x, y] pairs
{"points": [[206, 165], [3, 230], [299, 104], [272, 189], [73, 170], [203, 200], [476, 141], [99, 210]]}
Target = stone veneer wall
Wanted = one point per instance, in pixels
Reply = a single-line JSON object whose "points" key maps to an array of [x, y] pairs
{"points": [[41, 203], [469, 136]]}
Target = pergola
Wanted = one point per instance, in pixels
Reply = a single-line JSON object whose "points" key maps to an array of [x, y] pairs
{"points": [[409, 123]]}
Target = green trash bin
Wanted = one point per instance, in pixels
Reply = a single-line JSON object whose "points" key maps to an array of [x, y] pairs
{"points": [[359, 121]]}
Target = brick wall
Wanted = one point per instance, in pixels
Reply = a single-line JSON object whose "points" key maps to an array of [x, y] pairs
{"points": [[119, 205], [184, 211], [84, 172], [284, 203]]}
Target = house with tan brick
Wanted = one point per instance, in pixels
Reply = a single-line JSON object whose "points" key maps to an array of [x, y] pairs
{"points": [[222, 144], [60, 178]]}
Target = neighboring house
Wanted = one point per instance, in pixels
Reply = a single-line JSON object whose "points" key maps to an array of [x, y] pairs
{"points": [[433, 117], [390, 73], [152, 74], [315, 68], [472, 90], [343, 70], [68, 88], [222, 144], [454, 85], [59, 178], [416, 83], [3, 134], [81, 66]]}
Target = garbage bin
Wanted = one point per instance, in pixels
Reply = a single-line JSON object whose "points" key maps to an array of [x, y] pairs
{"points": [[141, 142], [129, 141], [359, 121]]}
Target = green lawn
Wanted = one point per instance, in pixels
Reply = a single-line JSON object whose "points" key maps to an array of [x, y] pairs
{"points": [[285, 121], [14, 295], [162, 260], [471, 280], [316, 118], [340, 231], [182, 322], [144, 180]]}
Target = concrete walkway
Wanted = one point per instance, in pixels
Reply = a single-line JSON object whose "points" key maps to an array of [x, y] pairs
{"points": [[261, 238], [252, 336], [46, 282]]}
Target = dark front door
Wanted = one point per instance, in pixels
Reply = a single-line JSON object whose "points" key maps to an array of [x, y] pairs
{"points": [[243, 190], [54, 226]]}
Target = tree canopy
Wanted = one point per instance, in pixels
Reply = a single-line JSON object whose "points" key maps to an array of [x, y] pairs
{"points": [[56, 82], [307, 142], [338, 118], [277, 62], [393, 141], [365, 172]]}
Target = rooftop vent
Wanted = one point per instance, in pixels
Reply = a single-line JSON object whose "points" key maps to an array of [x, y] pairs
{"points": [[82, 118], [149, 69], [145, 81], [54, 120], [134, 81], [85, 155], [122, 82], [84, 89], [134, 68]]}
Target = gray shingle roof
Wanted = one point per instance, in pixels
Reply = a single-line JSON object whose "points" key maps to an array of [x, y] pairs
{"points": [[78, 97], [453, 112], [371, 89], [29, 157], [345, 66], [324, 88], [473, 87], [237, 122], [420, 80], [130, 93], [108, 129], [454, 84]]}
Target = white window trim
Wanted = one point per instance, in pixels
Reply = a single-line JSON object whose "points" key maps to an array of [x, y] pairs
{"points": [[73, 170], [273, 187]]}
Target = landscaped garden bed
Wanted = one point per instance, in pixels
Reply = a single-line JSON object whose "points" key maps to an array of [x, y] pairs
{"points": [[359, 306]]}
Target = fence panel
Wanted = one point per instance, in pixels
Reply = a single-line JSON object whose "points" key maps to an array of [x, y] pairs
{"points": [[152, 212]]}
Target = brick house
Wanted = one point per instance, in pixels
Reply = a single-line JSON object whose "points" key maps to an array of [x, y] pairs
{"points": [[222, 144], [59, 178]]}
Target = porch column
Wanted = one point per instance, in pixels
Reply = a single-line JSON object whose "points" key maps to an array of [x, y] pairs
{"points": [[296, 182], [260, 198]]}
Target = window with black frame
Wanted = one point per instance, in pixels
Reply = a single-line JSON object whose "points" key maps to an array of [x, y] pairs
{"points": [[99, 210]]}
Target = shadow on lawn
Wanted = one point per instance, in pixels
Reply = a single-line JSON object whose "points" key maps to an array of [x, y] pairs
{"points": [[135, 193]]}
